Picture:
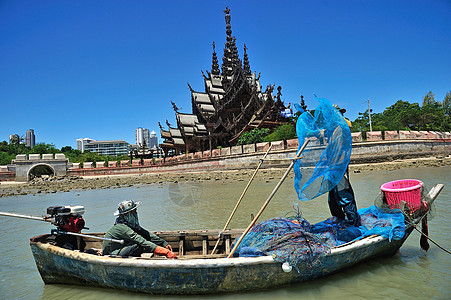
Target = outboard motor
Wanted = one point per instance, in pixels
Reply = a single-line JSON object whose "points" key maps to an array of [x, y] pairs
{"points": [[67, 218]]}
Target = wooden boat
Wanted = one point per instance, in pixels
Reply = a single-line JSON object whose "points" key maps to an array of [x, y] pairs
{"points": [[197, 272]]}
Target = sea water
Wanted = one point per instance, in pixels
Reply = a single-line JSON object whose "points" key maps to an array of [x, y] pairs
{"points": [[411, 273]]}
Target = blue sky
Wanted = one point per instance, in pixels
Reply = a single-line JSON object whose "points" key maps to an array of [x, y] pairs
{"points": [[100, 69]]}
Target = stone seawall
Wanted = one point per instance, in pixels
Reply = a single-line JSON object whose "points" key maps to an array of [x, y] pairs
{"points": [[362, 152]]}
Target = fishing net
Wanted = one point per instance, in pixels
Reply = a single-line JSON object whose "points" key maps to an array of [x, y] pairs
{"points": [[294, 240], [328, 154]]}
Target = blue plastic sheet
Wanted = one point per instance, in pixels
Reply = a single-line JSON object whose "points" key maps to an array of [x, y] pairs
{"points": [[329, 152]]}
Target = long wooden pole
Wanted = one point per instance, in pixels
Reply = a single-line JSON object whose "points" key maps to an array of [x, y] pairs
{"points": [[57, 231], [268, 200], [24, 217], [241, 197]]}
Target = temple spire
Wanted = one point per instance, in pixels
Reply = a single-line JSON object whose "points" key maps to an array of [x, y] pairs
{"points": [[246, 66], [214, 63], [230, 60]]}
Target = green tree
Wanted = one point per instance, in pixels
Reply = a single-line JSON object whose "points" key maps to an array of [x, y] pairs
{"points": [[446, 104], [431, 116], [283, 132], [429, 98], [256, 135], [402, 116], [42, 148]]}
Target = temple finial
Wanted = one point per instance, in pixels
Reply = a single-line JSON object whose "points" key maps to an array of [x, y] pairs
{"points": [[246, 66], [174, 107], [214, 62]]}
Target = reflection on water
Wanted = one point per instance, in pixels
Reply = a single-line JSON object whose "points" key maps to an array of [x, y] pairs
{"points": [[207, 205]]}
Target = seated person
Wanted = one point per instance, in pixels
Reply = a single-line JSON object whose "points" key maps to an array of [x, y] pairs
{"points": [[136, 239]]}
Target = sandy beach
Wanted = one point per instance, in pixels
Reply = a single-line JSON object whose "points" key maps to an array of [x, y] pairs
{"points": [[68, 183]]}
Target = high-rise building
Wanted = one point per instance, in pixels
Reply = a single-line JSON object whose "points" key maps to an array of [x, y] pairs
{"points": [[30, 138], [153, 143], [142, 137]]}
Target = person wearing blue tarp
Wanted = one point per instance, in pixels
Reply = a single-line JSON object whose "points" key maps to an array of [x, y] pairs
{"points": [[341, 198], [324, 168]]}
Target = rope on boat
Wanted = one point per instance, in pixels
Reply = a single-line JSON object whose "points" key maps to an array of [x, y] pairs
{"points": [[416, 228]]}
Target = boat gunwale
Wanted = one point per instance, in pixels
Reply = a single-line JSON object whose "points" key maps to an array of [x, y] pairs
{"points": [[190, 263]]}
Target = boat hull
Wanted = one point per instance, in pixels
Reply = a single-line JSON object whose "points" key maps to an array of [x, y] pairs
{"points": [[197, 276]]}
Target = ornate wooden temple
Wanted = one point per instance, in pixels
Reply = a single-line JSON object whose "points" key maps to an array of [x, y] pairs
{"points": [[232, 103]]}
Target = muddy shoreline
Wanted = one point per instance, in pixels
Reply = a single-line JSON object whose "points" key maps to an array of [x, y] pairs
{"points": [[70, 183]]}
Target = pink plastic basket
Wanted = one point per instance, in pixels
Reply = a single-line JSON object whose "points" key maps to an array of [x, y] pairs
{"points": [[407, 190]]}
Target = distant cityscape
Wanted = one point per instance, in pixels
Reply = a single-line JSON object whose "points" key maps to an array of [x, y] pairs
{"points": [[145, 140], [30, 139]]}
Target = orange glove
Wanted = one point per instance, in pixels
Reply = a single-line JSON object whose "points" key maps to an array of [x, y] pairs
{"points": [[166, 252]]}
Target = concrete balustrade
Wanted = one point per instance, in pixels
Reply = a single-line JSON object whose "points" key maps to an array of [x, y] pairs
{"points": [[21, 157], [432, 135], [416, 135], [47, 156], [60, 156], [225, 151], [374, 136], [206, 154], [250, 148], [215, 152], [356, 137], [293, 144], [181, 157], [288, 145], [148, 161], [391, 135], [404, 135], [34, 156], [277, 145], [440, 135], [234, 150], [262, 147], [424, 135]]}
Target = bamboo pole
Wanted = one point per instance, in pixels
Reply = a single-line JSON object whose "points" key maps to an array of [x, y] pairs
{"points": [[24, 216], [268, 200], [239, 200]]}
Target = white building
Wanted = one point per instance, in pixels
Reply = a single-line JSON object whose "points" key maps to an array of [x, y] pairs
{"points": [[111, 148], [142, 137], [81, 143], [153, 143]]}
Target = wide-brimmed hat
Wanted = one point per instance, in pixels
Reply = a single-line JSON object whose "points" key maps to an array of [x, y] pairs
{"points": [[342, 110], [126, 206]]}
